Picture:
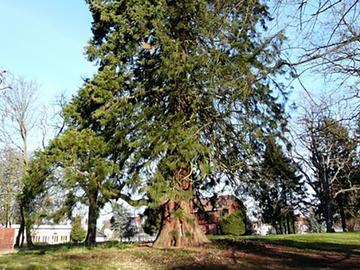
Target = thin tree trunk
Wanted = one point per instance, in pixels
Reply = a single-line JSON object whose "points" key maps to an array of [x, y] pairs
{"points": [[277, 229], [7, 215], [327, 203], [29, 242], [328, 215], [342, 212], [281, 226], [288, 225], [20, 236], [293, 224]]}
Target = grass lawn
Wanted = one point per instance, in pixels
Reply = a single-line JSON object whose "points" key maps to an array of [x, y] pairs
{"points": [[311, 251]]}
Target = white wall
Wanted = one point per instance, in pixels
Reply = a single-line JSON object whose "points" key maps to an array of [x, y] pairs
{"points": [[51, 234]]}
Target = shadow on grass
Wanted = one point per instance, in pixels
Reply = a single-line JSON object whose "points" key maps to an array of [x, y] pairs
{"points": [[68, 246], [201, 267], [313, 245], [306, 255]]}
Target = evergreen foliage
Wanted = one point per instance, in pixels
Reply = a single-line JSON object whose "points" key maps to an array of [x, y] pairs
{"points": [[280, 189], [86, 173], [234, 224], [183, 91], [75, 169], [181, 84], [121, 222], [77, 234], [152, 223]]}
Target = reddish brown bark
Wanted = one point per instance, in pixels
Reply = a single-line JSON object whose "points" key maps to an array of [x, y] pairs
{"points": [[179, 225]]}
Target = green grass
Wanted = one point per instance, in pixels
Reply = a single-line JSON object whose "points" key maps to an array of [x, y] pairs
{"points": [[310, 251], [339, 242]]}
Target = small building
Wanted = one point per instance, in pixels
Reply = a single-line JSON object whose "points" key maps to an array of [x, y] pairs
{"points": [[48, 234], [260, 228], [302, 224]]}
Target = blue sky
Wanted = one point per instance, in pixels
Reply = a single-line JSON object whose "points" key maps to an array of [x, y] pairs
{"points": [[44, 40]]}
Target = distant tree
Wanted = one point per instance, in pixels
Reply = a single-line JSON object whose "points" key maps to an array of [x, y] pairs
{"points": [[121, 222], [77, 234], [327, 153], [81, 156], [315, 224], [352, 206], [17, 109], [323, 41], [3, 84], [11, 172], [34, 195], [280, 189]]}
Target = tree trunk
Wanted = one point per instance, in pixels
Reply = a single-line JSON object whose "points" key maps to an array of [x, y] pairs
{"points": [[328, 215], [7, 215], [276, 227], [20, 236], [293, 224], [29, 242], [340, 201], [179, 226], [281, 226], [288, 225], [92, 218], [327, 202]]}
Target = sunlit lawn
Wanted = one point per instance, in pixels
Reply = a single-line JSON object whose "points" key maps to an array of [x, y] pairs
{"points": [[310, 251], [342, 242]]}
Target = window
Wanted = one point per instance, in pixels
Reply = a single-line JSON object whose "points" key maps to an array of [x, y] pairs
{"points": [[55, 238], [63, 238], [225, 212]]}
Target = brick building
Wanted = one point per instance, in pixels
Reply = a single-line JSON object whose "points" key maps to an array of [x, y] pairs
{"points": [[210, 211], [6, 239]]}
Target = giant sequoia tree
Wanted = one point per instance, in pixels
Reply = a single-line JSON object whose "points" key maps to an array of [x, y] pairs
{"points": [[182, 93]]}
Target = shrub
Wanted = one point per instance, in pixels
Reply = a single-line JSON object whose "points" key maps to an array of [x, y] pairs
{"points": [[234, 223], [77, 234]]}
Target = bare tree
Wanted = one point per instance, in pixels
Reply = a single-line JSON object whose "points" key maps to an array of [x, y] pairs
{"points": [[327, 31], [323, 41], [17, 107], [326, 149], [3, 84], [11, 170]]}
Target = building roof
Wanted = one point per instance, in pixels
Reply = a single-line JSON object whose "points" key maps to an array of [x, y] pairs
{"points": [[47, 226]]}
